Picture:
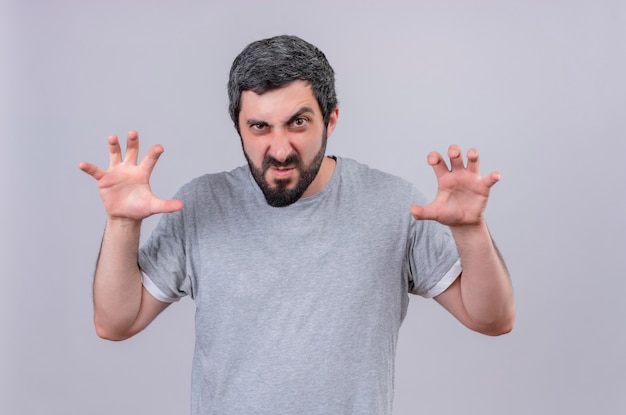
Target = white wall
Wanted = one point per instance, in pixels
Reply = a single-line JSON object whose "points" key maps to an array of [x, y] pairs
{"points": [[538, 87]]}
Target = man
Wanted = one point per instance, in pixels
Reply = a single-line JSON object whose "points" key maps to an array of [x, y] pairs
{"points": [[299, 263]]}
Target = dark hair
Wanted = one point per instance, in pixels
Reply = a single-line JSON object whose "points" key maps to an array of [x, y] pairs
{"points": [[274, 63]]}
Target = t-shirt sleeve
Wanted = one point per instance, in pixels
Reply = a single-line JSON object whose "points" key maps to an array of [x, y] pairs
{"points": [[163, 260], [433, 258]]}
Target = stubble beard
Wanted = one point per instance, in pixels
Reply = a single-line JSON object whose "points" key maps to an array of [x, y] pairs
{"points": [[279, 194]]}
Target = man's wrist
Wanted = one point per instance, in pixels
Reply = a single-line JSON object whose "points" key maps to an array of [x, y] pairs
{"points": [[470, 231], [116, 222]]}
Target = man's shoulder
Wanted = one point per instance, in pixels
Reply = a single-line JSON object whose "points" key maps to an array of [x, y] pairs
{"points": [[234, 175], [368, 176], [215, 182]]}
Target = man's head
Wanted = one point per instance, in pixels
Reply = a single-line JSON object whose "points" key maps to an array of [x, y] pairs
{"points": [[284, 106], [274, 63]]}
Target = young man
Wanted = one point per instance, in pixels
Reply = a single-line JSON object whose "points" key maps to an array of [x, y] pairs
{"points": [[300, 264]]}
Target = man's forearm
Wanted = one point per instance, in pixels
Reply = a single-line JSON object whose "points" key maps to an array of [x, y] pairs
{"points": [[117, 285], [485, 283]]}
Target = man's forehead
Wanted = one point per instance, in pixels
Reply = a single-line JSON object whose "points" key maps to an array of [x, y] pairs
{"points": [[279, 103]]}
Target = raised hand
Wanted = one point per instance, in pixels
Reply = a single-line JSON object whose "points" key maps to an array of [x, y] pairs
{"points": [[462, 193], [124, 187]]}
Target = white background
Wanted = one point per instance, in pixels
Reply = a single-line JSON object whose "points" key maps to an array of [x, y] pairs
{"points": [[537, 86]]}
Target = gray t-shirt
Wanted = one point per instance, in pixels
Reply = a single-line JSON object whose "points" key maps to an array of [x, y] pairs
{"points": [[297, 308]]}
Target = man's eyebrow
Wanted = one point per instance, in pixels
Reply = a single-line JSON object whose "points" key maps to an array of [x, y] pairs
{"points": [[291, 119], [301, 111], [255, 122]]}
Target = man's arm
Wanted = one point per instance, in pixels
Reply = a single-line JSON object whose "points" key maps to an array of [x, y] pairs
{"points": [[482, 297], [122, 307]]}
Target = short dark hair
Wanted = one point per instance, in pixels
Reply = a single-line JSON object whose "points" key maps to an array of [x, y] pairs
{"points": [[274, 63]]}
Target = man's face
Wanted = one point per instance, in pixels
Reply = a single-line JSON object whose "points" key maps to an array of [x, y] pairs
{"points": [[284, 141]]}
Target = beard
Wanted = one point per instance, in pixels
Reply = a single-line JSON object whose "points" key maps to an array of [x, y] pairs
{"points": [[280, 195]]}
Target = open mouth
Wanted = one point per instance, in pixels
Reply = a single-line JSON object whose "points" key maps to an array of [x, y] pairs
{"points": [[281, 172]]}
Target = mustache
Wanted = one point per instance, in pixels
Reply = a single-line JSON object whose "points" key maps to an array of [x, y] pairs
{"points": [[291, 160]]}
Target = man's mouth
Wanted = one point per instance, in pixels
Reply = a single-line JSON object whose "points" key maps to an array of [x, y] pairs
{"points": [[281, 172]]}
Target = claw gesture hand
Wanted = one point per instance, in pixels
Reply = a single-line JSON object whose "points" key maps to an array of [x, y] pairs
{"points": [[124, 187], [462, 193]]}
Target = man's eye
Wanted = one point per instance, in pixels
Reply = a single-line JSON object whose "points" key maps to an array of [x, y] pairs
{"points": [[299, 122], [259, 126]]}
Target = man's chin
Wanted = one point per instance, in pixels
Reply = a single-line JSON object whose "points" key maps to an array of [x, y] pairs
{"points": [[283, 198], [281, 185]]}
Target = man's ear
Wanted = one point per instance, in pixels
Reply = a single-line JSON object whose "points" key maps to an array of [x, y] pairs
{"points": [[332, 121]]}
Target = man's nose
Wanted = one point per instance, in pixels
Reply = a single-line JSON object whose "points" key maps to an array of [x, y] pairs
{"points": [[280, 148]]}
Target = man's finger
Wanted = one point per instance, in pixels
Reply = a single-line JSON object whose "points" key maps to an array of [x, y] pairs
{"points": [[166, 206], [473, 164], [492, 178], [436, 161], [422, 213], [91, 169], [456, 157], [115, 152], [132, 147], [151, 158]]}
